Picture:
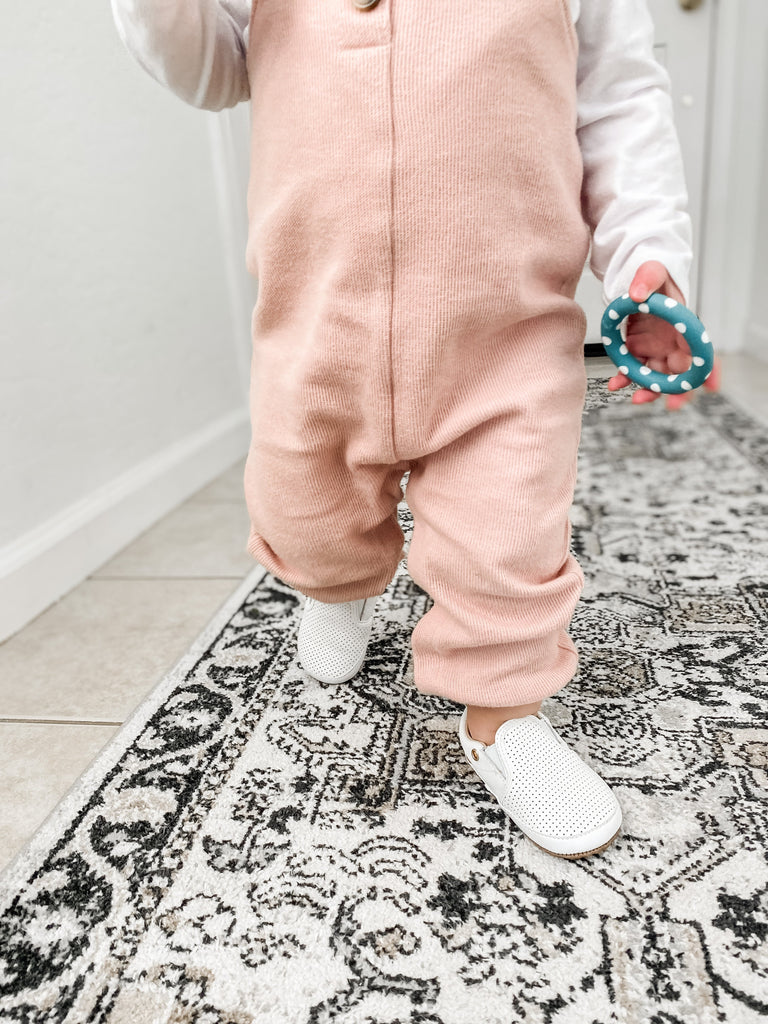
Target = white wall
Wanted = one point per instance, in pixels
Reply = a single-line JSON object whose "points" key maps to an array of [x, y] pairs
{"points": [[124, 302]]}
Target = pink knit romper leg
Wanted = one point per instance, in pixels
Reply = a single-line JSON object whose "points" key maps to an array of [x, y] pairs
{"points": [[322, 479], [489, 243], [416, 228]]}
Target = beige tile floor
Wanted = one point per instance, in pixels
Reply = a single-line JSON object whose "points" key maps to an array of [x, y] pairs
{"points": [[73, 675], [70, 678]]}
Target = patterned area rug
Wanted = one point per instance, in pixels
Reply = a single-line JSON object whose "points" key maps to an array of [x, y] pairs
{"points": [[226, 861]]}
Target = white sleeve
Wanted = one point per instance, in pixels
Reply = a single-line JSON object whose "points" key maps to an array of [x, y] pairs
{"points": [[634, 194], [196, 48]]}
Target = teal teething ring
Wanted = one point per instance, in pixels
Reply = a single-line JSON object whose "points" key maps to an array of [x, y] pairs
{"points": [[682, 319]]}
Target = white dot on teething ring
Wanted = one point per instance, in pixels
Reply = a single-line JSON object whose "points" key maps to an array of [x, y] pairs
{"points": [[655, 387], [672, 376], [698, 360], [607, 341], [669, 303], [705, 338], [623, 369], [623, 349], [613, 314], [685, 385], [625, 295], [645, 369], [644, 307], [680, 328]]}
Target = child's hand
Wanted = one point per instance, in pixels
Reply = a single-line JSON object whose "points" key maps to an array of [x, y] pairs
{"points": [[655, 341]]}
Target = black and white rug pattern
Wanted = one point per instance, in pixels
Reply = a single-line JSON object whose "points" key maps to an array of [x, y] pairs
{"points": [[256, 847]]}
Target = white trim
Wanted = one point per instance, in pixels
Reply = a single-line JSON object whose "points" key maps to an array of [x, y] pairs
{"points": [[39, 567], [738, 116]]}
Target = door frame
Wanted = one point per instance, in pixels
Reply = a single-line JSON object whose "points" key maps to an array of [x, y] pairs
{"points": [[738, 105]]}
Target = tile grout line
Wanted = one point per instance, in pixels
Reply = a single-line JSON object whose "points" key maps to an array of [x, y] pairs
{"points": [[142, 577], [54, 721]]}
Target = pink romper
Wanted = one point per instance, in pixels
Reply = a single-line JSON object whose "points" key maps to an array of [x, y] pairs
{"points": [[415, 225]]}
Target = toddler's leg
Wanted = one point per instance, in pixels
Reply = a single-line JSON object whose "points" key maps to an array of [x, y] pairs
{"points": [[491, 545], [326, 528], [492, 533], [483, 722]]}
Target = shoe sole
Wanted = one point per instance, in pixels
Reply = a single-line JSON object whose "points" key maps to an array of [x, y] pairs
{"points": [[576, 856], [333, 679]]}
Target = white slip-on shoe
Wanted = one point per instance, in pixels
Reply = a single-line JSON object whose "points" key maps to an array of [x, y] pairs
{"points": [[333, 638], [553, 797]]}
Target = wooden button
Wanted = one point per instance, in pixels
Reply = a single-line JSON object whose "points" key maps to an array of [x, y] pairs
{"points": [[365, 4]]}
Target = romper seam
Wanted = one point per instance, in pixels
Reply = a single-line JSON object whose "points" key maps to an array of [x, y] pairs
{"points": [[254, 5], [390, 224], [570, 28]]}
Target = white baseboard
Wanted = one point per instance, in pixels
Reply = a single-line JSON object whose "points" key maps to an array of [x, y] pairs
{"points": [[44, 564]]}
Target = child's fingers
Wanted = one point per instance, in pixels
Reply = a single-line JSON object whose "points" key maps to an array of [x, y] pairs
{"points": [[679, 360], [661, 348], [619, 381], [661, 365], [676, 362], [712, 383], [660, 341], [643, 395], [649, 346]]}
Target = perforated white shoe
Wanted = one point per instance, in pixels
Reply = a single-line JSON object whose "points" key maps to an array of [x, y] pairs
{"points": [[333, 638], [554, 797]]}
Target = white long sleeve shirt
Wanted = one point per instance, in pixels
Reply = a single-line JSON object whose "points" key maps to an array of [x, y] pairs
{"points": [[634, 194]]}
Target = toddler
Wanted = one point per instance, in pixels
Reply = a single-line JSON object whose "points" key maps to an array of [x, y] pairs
{"points": [[426, 180]]}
